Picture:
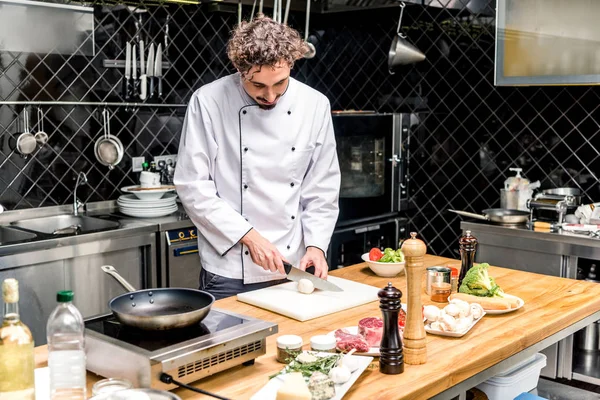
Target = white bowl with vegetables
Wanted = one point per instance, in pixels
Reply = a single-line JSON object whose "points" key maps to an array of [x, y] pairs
{"points": [[387, 263]]}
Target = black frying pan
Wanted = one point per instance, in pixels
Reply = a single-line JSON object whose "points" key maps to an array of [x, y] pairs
{"points": [[158, 309]]}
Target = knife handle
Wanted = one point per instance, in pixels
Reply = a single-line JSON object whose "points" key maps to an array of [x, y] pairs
{"points": [[151, 91], [288, 267], [143, 87], [125, 88], [159, 90]]}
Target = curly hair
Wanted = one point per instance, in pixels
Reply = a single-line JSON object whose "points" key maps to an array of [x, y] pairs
{"points": [[263, 41]]}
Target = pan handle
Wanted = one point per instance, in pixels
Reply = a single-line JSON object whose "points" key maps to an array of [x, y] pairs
{"points": [[469, 214], [109, 269]]}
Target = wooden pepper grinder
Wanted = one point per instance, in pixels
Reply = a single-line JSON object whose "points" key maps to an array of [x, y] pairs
{"points": [[391, 360], [415, 343]]}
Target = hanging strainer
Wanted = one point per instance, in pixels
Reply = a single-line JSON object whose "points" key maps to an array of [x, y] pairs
{"points": [[401, 51], [108, 148]]}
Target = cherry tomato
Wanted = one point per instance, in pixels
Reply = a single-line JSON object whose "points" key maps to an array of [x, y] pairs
{"points": [[401, 319], [375, 254]]}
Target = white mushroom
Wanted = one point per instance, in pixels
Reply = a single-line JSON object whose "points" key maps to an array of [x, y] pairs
{"points": [[452, 310], [448, 323], [431, 313], [464, 307], [437, 326], [305, 286], [476, 310], [462, 324], [349, 362]]}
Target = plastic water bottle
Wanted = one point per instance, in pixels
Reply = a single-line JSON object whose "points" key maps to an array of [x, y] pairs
{"points": [[66, 350]]}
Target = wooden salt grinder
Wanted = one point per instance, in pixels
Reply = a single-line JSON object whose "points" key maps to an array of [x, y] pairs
{"points": [[415, 343], [391, 361]]}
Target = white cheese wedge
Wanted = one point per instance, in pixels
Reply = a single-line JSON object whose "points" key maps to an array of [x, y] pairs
{"points": [[294, 388]]}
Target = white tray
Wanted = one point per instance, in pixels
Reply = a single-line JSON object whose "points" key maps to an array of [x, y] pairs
{"points": [[452, 334], [269, 391]]}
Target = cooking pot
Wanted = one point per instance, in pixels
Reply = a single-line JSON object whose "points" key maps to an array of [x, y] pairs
{"points": [[588, 338]]}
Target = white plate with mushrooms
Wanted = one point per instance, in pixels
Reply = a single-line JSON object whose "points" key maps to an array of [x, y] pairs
{"points": [[454, 320]]}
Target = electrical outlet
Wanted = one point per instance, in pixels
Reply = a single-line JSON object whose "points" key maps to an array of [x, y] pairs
{"points": [[166, 159], [136, 163]]}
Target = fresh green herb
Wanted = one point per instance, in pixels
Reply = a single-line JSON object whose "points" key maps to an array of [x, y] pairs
{"points": [[323, 364]]}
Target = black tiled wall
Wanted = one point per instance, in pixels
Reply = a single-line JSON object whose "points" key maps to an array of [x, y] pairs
{"points": [[472, 131]]}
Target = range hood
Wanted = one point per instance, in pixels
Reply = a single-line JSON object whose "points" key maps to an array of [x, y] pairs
{"points": [[333, 6]]}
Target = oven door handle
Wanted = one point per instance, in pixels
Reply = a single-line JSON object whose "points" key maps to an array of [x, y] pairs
{"points": [[184, 251]]}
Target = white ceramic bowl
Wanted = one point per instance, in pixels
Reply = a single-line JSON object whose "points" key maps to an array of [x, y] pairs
{"points": [[387, 270]]}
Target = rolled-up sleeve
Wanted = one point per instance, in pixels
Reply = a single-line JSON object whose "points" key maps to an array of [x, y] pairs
{"points": [[321, 187], [220, 224]]}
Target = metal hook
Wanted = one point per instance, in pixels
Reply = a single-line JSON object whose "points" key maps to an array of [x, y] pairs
{"points": [[402, 5], [25, 120], [40, 116]]}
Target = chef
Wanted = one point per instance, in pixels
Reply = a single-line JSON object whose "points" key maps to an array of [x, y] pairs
{"points": [[257, 169]]}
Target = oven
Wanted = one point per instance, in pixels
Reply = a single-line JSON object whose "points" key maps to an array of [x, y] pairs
{"points": [[349, 243], [373, 155]]}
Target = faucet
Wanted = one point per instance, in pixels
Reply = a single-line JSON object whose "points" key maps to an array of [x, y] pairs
{"points": [[81, 180]]}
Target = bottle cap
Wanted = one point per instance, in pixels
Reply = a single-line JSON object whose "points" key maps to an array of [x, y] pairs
{"points": [[64, 296], [10, 290]]}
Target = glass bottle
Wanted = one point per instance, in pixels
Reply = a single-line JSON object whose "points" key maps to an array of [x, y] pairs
{"points": [[17, 362], [66, 350], [468, 245]]}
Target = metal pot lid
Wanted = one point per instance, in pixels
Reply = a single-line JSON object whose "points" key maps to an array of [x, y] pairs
{"points": [[137, 394]]}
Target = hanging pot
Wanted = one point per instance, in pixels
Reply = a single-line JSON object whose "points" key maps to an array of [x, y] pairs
{"points": [[402, 52]]}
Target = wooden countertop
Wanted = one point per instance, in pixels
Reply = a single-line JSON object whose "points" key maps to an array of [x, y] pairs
{"points": [[551, 304]]}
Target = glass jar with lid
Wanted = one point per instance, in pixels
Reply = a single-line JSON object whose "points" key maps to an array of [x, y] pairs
{"points": [[288, 346], [323, 343], [110, 385]]}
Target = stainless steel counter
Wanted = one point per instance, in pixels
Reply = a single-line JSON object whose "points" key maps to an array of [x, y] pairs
{"points": [[107, 210]]}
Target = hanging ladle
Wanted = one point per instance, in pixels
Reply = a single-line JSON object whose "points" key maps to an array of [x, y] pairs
{"points": [[401, 51], [311, 47]]}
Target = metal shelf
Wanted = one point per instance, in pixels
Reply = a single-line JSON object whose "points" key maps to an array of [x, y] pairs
{"points": [[121, 64], [90, 103], [586, 366]]}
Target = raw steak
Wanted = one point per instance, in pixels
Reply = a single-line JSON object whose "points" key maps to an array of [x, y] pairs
{"points": [[347, 341], [371, 329]]}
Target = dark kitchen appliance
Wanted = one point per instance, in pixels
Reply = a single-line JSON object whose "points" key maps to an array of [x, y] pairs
{"points": [[373, 155], [350, 242], [221, 341], [179, 261]]}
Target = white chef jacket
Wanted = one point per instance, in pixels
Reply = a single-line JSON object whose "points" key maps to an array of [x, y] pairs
{"points": [[241, 167]]}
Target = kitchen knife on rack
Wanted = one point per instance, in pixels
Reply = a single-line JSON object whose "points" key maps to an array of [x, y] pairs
{"points": [[127, 75], [295, 274], [134, 80], [150, 71], [143, 80], [158, 70]]}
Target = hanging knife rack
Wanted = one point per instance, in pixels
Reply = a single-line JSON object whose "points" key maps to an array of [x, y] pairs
{"points": [[121, 64]]}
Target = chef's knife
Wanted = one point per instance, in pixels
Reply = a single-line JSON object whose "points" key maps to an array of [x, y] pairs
{"points": [[150, 70], [158, 70], [134, 81], [295, 274], [143, 80], [127, 71]]}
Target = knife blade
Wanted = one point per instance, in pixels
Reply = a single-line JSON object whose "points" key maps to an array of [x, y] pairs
{"points": [[134, 80], [150, 70], [158, 70], [143, 80], [127, 70], [295, 274]]}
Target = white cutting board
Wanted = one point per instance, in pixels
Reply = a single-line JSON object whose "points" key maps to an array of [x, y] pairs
{"points": [[285, 299]]}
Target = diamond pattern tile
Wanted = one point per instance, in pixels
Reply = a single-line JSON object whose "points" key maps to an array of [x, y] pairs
{"points": [[471, 132]]}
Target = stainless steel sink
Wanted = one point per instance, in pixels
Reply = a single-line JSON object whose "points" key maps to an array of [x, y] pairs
{"points": [[61, 224], [10, 235]]}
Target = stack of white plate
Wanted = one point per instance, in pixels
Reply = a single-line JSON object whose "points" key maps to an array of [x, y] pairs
{"points": [[130, 205]]}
